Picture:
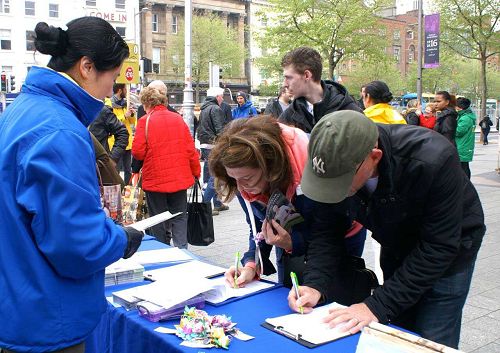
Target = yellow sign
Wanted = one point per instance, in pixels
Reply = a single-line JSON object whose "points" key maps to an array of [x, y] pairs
{"points": [[130, 68]]}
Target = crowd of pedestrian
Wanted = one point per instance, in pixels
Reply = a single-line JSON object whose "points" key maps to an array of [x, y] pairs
{"points": [[345, 166]]}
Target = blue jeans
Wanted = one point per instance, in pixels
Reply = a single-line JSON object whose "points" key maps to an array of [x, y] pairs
{"points": [[439, 312], [209, 192]]}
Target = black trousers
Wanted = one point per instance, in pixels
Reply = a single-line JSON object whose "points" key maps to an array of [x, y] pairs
{"points": [[175, 228]]}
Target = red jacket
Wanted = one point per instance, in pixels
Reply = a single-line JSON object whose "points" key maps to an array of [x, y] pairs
{"points": [[170, 158]]}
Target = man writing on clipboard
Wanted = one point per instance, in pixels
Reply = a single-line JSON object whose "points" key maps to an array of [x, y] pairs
{"points": [[408, 188]]}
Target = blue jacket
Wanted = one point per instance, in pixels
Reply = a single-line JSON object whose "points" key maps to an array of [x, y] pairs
{"points": [[247, 110], [55, 238]]}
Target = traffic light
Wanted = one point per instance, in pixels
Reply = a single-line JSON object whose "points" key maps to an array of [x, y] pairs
{"points": [[220, 73], [147, 65], [3, 79], [12, 83]]}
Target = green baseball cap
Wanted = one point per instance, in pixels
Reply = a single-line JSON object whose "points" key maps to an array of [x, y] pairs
{"points": [[339, 142]]}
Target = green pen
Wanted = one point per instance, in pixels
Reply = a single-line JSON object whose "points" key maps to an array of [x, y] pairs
{"points": [[295, 283], [236, 265]]}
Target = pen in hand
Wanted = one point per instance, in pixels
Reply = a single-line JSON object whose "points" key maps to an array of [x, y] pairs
{"points": [[295, 283], [236, 266]]}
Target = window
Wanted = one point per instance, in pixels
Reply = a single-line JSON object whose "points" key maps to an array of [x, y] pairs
{"points": [[174, 24], [7, 69], [29, 8], [53, 10], [120, 4], [396, 35], [91, 2], [409, 34], [415, 4], [5, 43], [4, 6], [30, 40], [121, 31], [156, 60], [397, 54], [411, 54], [155, 22]]}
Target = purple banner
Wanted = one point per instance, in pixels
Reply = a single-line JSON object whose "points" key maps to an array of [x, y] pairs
{"points": [[431, 44]]}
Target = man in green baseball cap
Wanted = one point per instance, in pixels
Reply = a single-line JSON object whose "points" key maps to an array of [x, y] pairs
{"points": [[406, 185]]}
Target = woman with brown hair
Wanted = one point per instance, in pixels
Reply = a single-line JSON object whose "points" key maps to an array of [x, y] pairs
{"points": [[255, 157], [163, 141]]}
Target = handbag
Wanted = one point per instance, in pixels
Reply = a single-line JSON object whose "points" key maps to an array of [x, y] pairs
{"points": [[133, 200], [200, 224]]}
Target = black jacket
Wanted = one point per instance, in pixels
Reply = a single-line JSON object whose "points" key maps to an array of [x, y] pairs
{"points": [[335, 97], [228, 114], [273, 108], [211, 121], [446, 124], [105, 125], [424, 212]]}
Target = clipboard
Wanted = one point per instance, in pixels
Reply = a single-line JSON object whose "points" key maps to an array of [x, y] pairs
{"points": [[308, 329]]}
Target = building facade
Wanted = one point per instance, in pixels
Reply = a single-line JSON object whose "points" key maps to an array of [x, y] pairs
{"points": [[162, 23], [18, 20]]}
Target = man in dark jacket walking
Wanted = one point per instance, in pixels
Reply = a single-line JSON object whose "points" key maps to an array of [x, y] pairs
{"points": [[313, 97], [408, 188], [212, 122], [278, 105], [105, 125]]}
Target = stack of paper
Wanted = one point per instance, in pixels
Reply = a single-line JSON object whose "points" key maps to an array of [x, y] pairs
{"points": [[123, 271], [191, 269]]}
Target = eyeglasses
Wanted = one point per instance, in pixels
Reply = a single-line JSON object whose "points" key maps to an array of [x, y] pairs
{"points": [[359, 166]]}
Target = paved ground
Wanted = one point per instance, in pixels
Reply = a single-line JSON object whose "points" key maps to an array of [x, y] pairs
{"points": [[481, 318]]}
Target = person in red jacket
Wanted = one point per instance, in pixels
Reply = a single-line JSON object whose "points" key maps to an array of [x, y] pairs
{"points": [[171, 164]]}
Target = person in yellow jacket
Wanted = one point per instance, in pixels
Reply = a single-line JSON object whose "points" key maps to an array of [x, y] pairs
{"points": [[376, 96], [128, 118]]}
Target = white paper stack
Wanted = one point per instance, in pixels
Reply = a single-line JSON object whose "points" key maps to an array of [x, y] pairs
{"points": [[123, 271]]}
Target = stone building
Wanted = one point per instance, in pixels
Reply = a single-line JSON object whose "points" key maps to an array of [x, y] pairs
{"points": [[162, 22]]}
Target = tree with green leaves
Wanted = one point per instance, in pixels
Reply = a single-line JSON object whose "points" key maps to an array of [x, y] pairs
{"points": [[471, 29], [212, 40], [337, 29]]}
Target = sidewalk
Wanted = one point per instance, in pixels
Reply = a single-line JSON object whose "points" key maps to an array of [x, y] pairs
{"points": [[481, 318]]}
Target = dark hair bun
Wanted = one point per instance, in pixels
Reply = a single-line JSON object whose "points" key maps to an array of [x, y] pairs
{"points": [[50, 40], [387, 97]]}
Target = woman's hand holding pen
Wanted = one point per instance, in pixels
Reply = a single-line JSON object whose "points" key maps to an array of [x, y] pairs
{"points": [[274, 234], [309, 297], [245, 274]]}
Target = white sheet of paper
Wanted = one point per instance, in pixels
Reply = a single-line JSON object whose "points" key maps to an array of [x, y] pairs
{"points": [[170, 293], [194, 268], [222, 291], [110, 300], [242, 336], [160, 255], [165, 330], [310, 326], [152, 221]]}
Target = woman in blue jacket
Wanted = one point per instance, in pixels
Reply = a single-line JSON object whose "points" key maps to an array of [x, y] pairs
{"points": [[56, 239]]}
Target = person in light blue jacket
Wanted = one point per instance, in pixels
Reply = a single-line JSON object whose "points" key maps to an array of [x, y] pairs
{"points": [[55, 237], [245, 108]]}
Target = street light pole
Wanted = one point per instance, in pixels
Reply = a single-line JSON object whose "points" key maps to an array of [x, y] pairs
{"points": [[419, 52], [144, 9], [188, 103]]}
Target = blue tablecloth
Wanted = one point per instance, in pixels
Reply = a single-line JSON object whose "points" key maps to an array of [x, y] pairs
{"points": [[121, 331]]}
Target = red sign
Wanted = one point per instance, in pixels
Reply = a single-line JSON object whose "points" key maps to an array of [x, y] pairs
{"points": [[129, 73]]}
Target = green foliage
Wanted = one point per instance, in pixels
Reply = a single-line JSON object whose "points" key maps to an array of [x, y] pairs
{"points": [[470, 28], [270, 89], [336, 28], [370, 71], [212, 41]]}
